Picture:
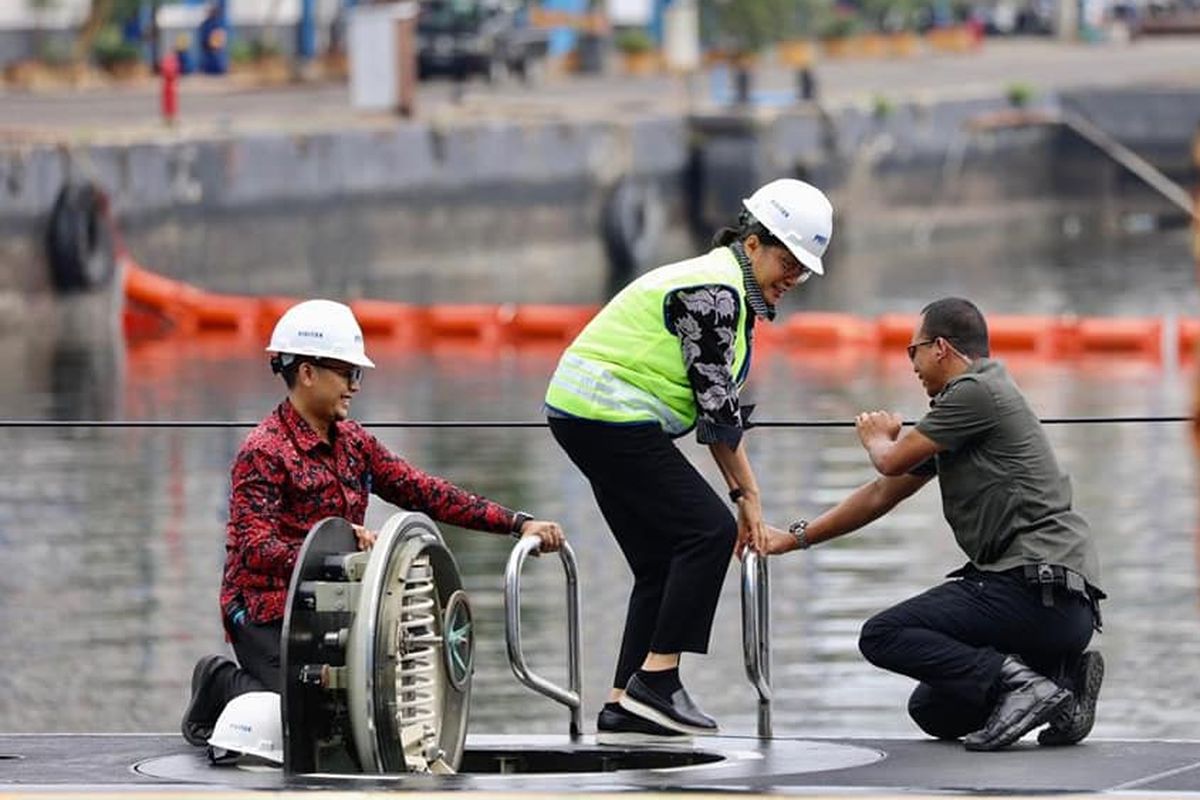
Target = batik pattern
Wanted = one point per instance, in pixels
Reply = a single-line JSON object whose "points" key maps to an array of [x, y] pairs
{"points": [[285, 479]]}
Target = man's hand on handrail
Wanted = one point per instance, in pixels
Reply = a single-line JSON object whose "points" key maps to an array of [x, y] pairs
{"points": [[551, 534]]}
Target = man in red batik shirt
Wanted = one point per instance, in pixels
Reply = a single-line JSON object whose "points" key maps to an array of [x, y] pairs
{"points": [[307, 461]]}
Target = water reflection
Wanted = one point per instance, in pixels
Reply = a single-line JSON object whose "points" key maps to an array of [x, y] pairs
{"points": [[113, 543], [112, 540]]}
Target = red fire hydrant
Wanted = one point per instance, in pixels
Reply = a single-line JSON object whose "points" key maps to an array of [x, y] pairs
{"points": [[168, 68]]}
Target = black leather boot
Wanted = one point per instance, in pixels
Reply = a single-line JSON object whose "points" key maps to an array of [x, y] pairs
{"points": [[1073, 724], [1026, 701]]}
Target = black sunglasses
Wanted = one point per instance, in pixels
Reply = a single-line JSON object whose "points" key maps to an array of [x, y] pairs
{"points": [[349, 374], [912, 348]]}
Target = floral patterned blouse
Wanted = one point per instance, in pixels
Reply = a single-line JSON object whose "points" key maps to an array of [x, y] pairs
{"points": [[705, 318], [285, 480]]}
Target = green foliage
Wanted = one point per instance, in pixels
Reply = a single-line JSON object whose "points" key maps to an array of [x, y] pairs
{"points": [[54, 50], [1020, 95], [838, 25], [241, 51], [264, 48], [891, 15], [748, 26], [110, 49], [882, 107], [248, 51], [633, 40], [124, 9]]}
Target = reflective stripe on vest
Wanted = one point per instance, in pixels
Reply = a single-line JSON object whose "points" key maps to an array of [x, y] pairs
{"points": [[626, 366]]}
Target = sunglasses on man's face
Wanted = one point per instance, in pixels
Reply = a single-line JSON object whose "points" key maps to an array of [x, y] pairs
{"points": [[350, 374], [912, 348]]}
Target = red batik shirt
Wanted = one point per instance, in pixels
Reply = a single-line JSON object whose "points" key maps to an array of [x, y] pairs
{"points": [[285, 480]]}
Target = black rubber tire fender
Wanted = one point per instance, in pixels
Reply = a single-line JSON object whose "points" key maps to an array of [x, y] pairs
{"points": [[80, 245], [631, 227]]}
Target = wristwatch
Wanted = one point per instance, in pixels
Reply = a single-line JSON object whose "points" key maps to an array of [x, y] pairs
{"points": [[736, 494], [799, 529], [519, 519]]}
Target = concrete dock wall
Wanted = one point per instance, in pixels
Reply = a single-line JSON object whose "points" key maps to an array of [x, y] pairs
{"points": [[514, 210]]}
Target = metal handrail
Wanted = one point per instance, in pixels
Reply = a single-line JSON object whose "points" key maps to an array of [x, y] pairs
{"points": [[572, 698], [756, 633]]}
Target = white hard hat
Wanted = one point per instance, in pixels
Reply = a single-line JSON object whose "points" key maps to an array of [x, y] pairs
{"points": [[251, 724], [799, 215], [320, 328]]}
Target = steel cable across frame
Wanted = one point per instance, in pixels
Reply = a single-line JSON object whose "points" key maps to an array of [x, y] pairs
{"points": [[166, 423]]}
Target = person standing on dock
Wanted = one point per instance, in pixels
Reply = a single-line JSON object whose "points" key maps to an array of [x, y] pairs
{"points": [[307, 461], [985, 645], [670, 353]]}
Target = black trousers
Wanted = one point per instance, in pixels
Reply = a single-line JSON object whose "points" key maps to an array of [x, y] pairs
{"points": [[258, 648], [954, 637], [675, 532]]}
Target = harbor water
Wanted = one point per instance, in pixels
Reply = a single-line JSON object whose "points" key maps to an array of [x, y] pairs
{"points": [[112, 540]]}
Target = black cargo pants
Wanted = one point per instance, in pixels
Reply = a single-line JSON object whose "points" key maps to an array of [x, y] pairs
{"points": [[954, 637]]}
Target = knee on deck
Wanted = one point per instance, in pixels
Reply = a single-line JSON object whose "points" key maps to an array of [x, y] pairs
{"points": [[932, 717]]}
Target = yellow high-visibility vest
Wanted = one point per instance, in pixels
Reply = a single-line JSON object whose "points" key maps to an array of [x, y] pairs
{"points": [[627, 367]]}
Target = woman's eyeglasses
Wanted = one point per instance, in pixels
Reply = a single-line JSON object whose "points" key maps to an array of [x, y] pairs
{"points": [[794, 269]]}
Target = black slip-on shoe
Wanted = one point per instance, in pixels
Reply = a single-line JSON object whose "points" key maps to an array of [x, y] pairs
{"points": [[200, 716], [618, 726], [1072, 725], [676, 712], [1028, 700]]}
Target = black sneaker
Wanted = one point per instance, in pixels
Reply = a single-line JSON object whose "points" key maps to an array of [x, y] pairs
{"points": [[615, 725], [676, 712], [201, 716], [1073, 725]]}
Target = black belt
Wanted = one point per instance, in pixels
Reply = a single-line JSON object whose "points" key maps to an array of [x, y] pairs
{"points": [[1048, 576]]}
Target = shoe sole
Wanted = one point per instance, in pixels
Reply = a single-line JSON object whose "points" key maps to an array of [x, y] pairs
{"points": [[629, 737], [1092, 674], [1038, 715], [654, 715]]}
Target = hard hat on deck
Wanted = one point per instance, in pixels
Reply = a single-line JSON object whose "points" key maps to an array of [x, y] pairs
{"points": [[321, 329], [799, 215], [250, 725]]}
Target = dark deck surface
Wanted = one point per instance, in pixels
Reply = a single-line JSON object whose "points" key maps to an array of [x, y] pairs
{"points": [[120, 763]]}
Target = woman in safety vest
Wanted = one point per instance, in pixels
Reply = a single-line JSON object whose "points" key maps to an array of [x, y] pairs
{"points": [[670, 352]]}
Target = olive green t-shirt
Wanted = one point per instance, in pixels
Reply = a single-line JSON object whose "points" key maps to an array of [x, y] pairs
{"points": [[1003, 492]]}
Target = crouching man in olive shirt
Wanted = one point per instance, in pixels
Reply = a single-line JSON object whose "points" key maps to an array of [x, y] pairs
{"points": [[1000, 649]]}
